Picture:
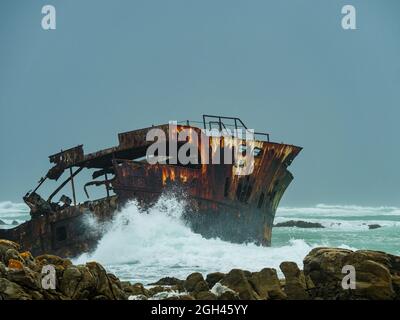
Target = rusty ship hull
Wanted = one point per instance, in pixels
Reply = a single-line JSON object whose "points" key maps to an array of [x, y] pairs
{"points": [[236, 208]]}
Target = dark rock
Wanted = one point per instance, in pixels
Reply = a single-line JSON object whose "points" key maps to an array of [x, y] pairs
{"points": [[135, 289], [267, 284], [213, 278], [167, 281], [12, 291], [192, 280], [158, 289], [374, 226], [376, 273], [237, 281], [299, 224], [2, 223], [205, 295], [295, 282], [15, 223]]}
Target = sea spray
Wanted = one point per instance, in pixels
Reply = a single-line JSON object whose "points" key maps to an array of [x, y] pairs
{"points": [[150, 245]]}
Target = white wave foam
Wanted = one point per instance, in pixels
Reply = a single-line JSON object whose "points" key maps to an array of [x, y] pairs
{"points": [[321, 210], [344, 225], [160, 242], [13, 212]]}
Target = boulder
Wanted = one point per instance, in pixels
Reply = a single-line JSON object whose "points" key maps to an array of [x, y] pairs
{"points": [[237, 281], [205, 295], [295, 282], [6, 245], [106, 285], [213, 278], [136, 289], [192, 280], [267, 284], [167, 281], [375, 273], [12, 291], [299, 224], [374, 226]]}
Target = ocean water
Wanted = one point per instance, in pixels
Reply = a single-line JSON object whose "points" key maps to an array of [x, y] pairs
{"points": [[145, 247]]}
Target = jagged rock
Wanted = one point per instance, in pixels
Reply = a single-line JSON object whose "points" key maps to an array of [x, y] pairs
{"points": [[228, 295], [70, 280], [136, 289], [205, 295], [137, 297], [213, 278], [6, 245], [376, 273], [299, 224], [53, 260], [267, 284], [181, 297], [15, 264], [158, 289], [2, 223], [15, 223], [192, 280], [237, 281], [12, 254], [25, 278], [12, 291], [106, 286], [28, 259], [295, 282], [167, 281]]}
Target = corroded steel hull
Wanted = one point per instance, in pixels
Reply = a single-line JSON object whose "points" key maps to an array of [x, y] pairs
{"points": [[219, 203]]}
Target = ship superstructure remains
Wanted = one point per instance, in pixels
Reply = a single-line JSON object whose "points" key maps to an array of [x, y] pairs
{"points": [[219, 202]]}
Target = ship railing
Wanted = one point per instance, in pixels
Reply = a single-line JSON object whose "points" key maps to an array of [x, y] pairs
{"points": [[222, 123]]}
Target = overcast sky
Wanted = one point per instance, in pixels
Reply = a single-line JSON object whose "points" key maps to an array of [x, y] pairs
{"points": [[285, 67]]}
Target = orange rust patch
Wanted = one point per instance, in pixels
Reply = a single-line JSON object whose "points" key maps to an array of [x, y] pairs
{"points": [[15, 264], [25, 255]]}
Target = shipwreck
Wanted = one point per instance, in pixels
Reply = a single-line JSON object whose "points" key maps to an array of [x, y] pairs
{"points": [[236, 208]]}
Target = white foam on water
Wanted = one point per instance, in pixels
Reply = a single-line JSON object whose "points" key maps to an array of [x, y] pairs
{"points": [[321, 210], [10, 212], [160, 242]]}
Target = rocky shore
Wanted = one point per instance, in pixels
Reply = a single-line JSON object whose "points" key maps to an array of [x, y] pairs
{"points": [[377, 274]]}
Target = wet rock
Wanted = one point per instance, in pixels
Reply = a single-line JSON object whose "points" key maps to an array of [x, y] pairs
{"points": [[15, 223], [6, 245], [2, 223], [158, 289], [299, 224], [181, 297], [205, 295], [136, 289], [15, 264], [374, 226], [25, 278], [167, 281], [213, 278], [137, 297], [12, 291], [295, 281], [105, 285], [376, 273], [267, 284], [12, 254], [237, 281], [192, 280]]}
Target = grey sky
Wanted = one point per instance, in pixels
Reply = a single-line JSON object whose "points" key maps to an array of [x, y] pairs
{"points": [[286, 67]]}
